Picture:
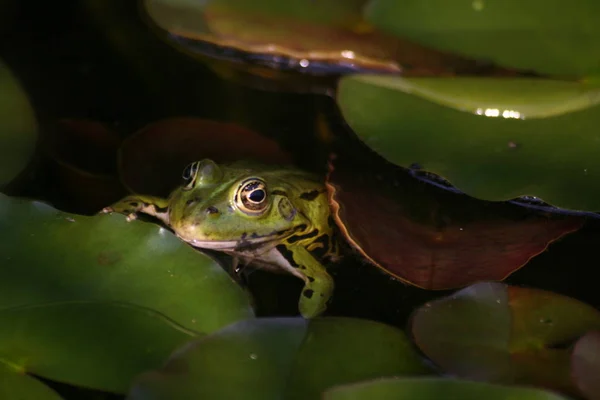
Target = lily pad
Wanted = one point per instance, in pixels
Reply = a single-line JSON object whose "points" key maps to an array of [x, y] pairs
{"points": [[557, 37], [91, 344], [492, 139], [18, 128], [430, 237], [433, 389], [15, 384], [289, 37], [85, 157], [52, 256], [152, 159], [276, 358], [585, 364], [500, 333]]}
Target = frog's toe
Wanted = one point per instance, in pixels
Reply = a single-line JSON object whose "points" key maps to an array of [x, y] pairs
{"points": [[107, 210]]}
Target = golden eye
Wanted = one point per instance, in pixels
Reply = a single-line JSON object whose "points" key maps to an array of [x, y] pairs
{"points": [[189, 175], [251, 196]]}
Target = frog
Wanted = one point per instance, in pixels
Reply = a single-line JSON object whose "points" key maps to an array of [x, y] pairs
{"points": [[272, 217]]}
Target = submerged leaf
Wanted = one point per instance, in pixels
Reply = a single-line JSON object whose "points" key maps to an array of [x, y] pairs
{"points": [[281, 358], [499, 333], [18, 128], [151, 160], [477, 137]]}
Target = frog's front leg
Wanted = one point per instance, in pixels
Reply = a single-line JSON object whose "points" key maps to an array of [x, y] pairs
{"points": [[132, 205], [318, 284]]}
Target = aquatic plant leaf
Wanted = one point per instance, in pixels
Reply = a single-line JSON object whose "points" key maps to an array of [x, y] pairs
{"points": [[430, 237], [18, 128], [274, 358], [434, 388], [151, 160], [506, 334], [556, 37], [85, 158], [51, 256], [89, 344], [492, 139], [15, 384], [585, 365], [290, 36]]}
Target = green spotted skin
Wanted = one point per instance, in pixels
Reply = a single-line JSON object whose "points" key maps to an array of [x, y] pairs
{"points": [[276, 218]]}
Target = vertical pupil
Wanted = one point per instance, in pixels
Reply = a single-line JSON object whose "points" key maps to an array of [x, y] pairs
{"points": [[257, 195]]}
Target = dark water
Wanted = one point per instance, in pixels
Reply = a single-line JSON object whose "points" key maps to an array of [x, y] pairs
{"points": [[99, 61]]}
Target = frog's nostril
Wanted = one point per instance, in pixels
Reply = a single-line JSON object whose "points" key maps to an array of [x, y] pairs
{"points": [[212, 210]]}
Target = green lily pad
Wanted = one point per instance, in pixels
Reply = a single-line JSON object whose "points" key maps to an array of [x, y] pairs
{"points": [[493, 139], [504, 334], [585, 364], [95, 345], [15, 384], [557, 37], [51, 256], [276, 358], [18, 128], [433, 389]]}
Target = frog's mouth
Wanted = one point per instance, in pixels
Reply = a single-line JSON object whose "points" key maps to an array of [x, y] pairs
{"points": [[245, 242]]}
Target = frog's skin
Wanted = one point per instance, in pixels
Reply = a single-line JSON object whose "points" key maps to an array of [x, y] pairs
{"points": [[270, 217]]}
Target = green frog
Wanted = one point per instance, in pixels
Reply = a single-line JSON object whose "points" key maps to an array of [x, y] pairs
{"points": [[271, 217]]}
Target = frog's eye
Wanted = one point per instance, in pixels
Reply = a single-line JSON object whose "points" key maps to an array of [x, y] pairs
{"points": [[251, 197], [189, 175]]}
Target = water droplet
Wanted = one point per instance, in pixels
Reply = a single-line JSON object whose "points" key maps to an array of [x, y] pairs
{"points": [[253, 356]]}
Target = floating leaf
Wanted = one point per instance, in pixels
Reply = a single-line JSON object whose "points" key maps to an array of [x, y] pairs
{"points": [[289, 37], [557, 37], [276, 358], [85, 155], [551, 154], [433, 389], [585, 361], [50, 256], [15, 384], [18, 128], [430, 237], [499, 333], [151, 161], [96, 345]]}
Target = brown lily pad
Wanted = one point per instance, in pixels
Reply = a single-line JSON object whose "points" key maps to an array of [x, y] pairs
{"points": [[430, 237], [84, 153], [151, 160], [506, 334], [585, 365]]}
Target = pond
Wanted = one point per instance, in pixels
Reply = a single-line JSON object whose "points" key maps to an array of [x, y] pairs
{"points": [[423, 184]]}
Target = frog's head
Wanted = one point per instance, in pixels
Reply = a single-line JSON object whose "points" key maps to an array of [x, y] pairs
{"points": [[227, 207]]}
